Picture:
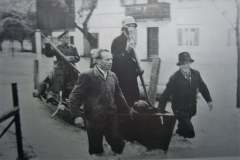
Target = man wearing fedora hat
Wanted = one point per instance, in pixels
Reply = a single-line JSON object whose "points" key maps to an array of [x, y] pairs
{"points": [[181, 90]]}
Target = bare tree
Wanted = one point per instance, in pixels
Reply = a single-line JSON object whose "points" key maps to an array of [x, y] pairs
{"points": [[237, 35], [85, 12]]}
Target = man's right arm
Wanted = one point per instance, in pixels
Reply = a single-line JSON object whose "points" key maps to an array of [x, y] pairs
{"points": [[78, 94]]}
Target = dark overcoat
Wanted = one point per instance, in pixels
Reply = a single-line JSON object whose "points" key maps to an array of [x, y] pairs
{"points": [[125, 67], [98, 95], [183, 93]]}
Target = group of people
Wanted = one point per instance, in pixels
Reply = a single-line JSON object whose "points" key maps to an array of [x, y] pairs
{"points": [[111, 87]]}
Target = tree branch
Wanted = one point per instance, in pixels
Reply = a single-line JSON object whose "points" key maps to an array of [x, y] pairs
{"points": [[91, 39], [78, 27], [89, 15]]}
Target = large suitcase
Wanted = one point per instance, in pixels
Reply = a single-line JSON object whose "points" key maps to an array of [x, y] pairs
{"points": [[153, 130]]}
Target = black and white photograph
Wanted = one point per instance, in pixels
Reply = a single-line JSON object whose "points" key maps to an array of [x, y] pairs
{"points": [[119, 79]]}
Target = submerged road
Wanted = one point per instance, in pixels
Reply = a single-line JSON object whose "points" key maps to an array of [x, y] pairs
{"points": [[51, 139]]}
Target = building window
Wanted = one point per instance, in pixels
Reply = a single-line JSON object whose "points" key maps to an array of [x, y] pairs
{"points": [[230, 37], [188, 36], [72, 40], [180, 36], [152, 42]]}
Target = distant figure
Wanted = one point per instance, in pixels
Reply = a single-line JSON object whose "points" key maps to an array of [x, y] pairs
{"points": [[98, 90], [124, 61], [181, 90], [63, 76]]}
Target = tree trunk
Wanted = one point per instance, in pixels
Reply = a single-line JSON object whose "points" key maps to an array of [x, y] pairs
{"points": [[12, 47], [238, 52], [84, 29]]}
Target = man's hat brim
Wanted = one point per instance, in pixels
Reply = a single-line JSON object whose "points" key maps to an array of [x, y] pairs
{"points": [[184, 62]]}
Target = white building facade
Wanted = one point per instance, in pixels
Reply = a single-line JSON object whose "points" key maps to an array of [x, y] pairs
{"points": [[205, 28], [202, 27]]}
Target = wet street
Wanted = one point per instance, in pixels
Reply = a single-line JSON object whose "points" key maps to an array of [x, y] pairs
{"points": [[47, 138]]}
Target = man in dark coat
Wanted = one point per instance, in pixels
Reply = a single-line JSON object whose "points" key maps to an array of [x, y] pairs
{"points": [[124, 61], [182, 90], [63, 76], [97, 90]]}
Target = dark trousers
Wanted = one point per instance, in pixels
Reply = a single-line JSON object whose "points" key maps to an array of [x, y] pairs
{"points": [[107, 126], [185, 127]]}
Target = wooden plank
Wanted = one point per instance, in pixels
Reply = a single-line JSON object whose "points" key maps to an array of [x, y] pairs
{"points": [[152, 92]]}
